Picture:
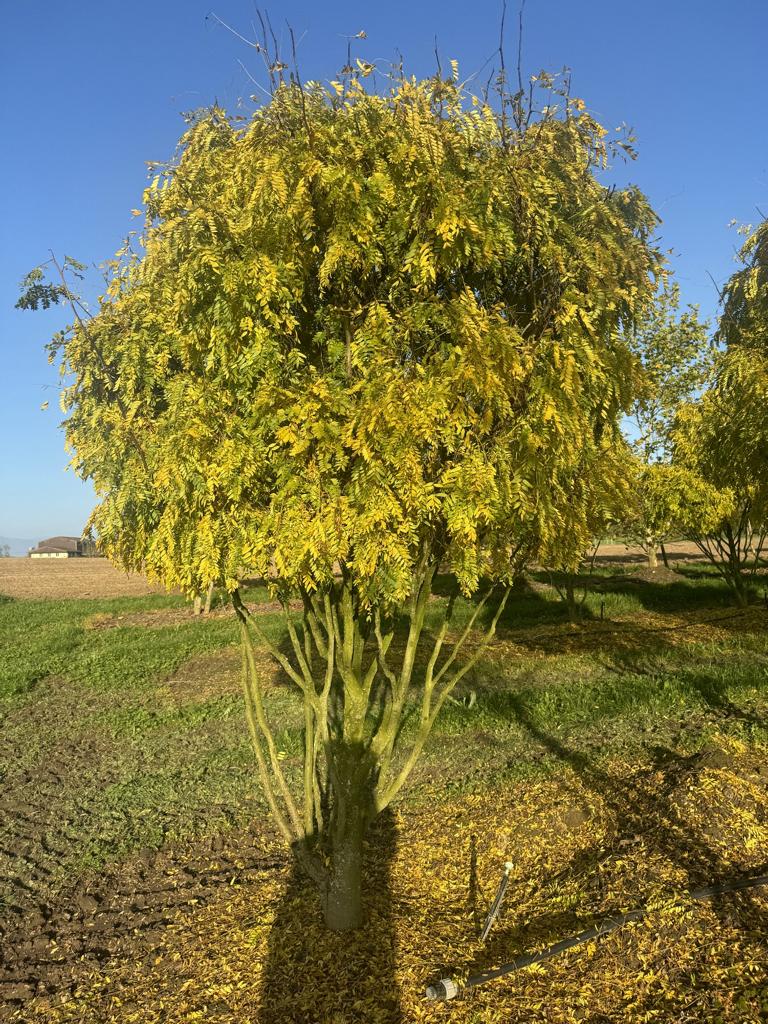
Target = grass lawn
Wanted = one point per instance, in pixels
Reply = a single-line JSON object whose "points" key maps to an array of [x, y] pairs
{"points": [[615, 763]]}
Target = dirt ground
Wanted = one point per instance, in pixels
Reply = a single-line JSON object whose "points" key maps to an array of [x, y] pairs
{"points": [[71, 577], [678, 551], [218, 932], [215, 926]]}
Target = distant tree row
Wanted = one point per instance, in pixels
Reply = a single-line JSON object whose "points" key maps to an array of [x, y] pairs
{"points": [[696, 462]]}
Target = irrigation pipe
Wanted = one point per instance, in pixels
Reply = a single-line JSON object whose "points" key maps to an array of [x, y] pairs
{"points": [[447, 988], [496, 905]]}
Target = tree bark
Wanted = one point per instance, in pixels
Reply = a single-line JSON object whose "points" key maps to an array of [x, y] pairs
{"points": [[653, 562], [574, 611], [734, 568], [344, 903], [739, 590]]}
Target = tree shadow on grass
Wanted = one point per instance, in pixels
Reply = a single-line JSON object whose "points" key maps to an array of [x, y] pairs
{"points": [[642, 807], [710, 689], [315, 976]]}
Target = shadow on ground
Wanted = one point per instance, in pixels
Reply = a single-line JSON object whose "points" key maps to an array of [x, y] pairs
{"points": [[643, 809], [357, 968]]}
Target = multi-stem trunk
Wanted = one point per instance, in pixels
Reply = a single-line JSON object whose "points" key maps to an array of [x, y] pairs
{"points": [[726, 550], [738, 588], [734, 565], [354, 699]]}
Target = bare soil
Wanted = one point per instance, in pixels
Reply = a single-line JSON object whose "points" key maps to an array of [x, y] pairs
{"points": [[209, 675], [51, 920], [160, 618], [55, 579], [123, 910], [679, 551]]}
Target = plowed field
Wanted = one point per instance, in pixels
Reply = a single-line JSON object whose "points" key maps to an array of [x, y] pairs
{"points": [[55, 578]]}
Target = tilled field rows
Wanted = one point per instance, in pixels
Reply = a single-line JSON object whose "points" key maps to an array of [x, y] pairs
{"points": [[69, 578]]}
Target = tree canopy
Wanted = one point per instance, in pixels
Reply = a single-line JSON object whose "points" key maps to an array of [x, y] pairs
{"points": [[723, 437], [358, 320], [672, 347], [742, 381]]}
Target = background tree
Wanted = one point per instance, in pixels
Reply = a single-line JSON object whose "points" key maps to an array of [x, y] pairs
{"points": [[726, 510], [673, 349], [742, 380], [602, 489], [724, 437], [362, 340]]}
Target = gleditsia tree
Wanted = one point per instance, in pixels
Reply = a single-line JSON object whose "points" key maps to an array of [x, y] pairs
{"points": [[726, 513], [602, 489], [742, 380], [672, 347], [725, 436], [365, 338], [673, 498]]}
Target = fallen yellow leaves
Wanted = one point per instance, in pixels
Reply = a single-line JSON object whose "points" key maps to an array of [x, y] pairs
{"points": [[600, 840]]}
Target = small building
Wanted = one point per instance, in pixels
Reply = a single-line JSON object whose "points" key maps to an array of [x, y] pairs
{"points": [[59, 547]]}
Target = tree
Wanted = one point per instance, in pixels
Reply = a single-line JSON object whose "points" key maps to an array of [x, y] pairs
{"points": [[742, 380], [724, 437], [673, 349], [726, 512], [365, 338], [601, 491]]}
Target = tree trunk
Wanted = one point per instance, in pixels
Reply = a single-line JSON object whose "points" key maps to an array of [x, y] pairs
{"points": [[734, 569], [664, 556], [739, 590], [208, 600], [574, 611], [343, 903], [653, 562]]}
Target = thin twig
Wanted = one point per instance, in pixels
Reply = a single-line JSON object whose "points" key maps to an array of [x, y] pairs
{"points": [[520, 46]]}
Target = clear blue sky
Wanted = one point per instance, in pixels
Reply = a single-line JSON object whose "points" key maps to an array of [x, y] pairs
{"points": [[91, 90]]}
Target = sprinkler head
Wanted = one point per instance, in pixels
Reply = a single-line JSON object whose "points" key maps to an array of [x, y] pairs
{"points": [[442, 990]]}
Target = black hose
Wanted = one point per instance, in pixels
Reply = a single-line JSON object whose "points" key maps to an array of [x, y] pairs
{"points": [[442, 989]]}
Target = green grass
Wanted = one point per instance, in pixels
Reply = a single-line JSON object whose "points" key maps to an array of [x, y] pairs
{"points": [[38, 638]]}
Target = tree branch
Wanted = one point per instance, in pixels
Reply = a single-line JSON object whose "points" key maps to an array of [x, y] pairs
{"points": [[244, 615], [254, 698], [429, 714]]}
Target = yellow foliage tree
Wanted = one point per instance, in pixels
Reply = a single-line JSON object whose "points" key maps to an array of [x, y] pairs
{"points": [[673, 349], [365, 337], [725, 508], [724, 436]]}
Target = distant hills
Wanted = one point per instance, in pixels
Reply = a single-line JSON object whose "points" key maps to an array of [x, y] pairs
{"points": [[18, 545]]}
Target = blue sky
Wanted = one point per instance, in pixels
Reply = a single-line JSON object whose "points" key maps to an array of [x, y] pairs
{"points": [[92, 90]]}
